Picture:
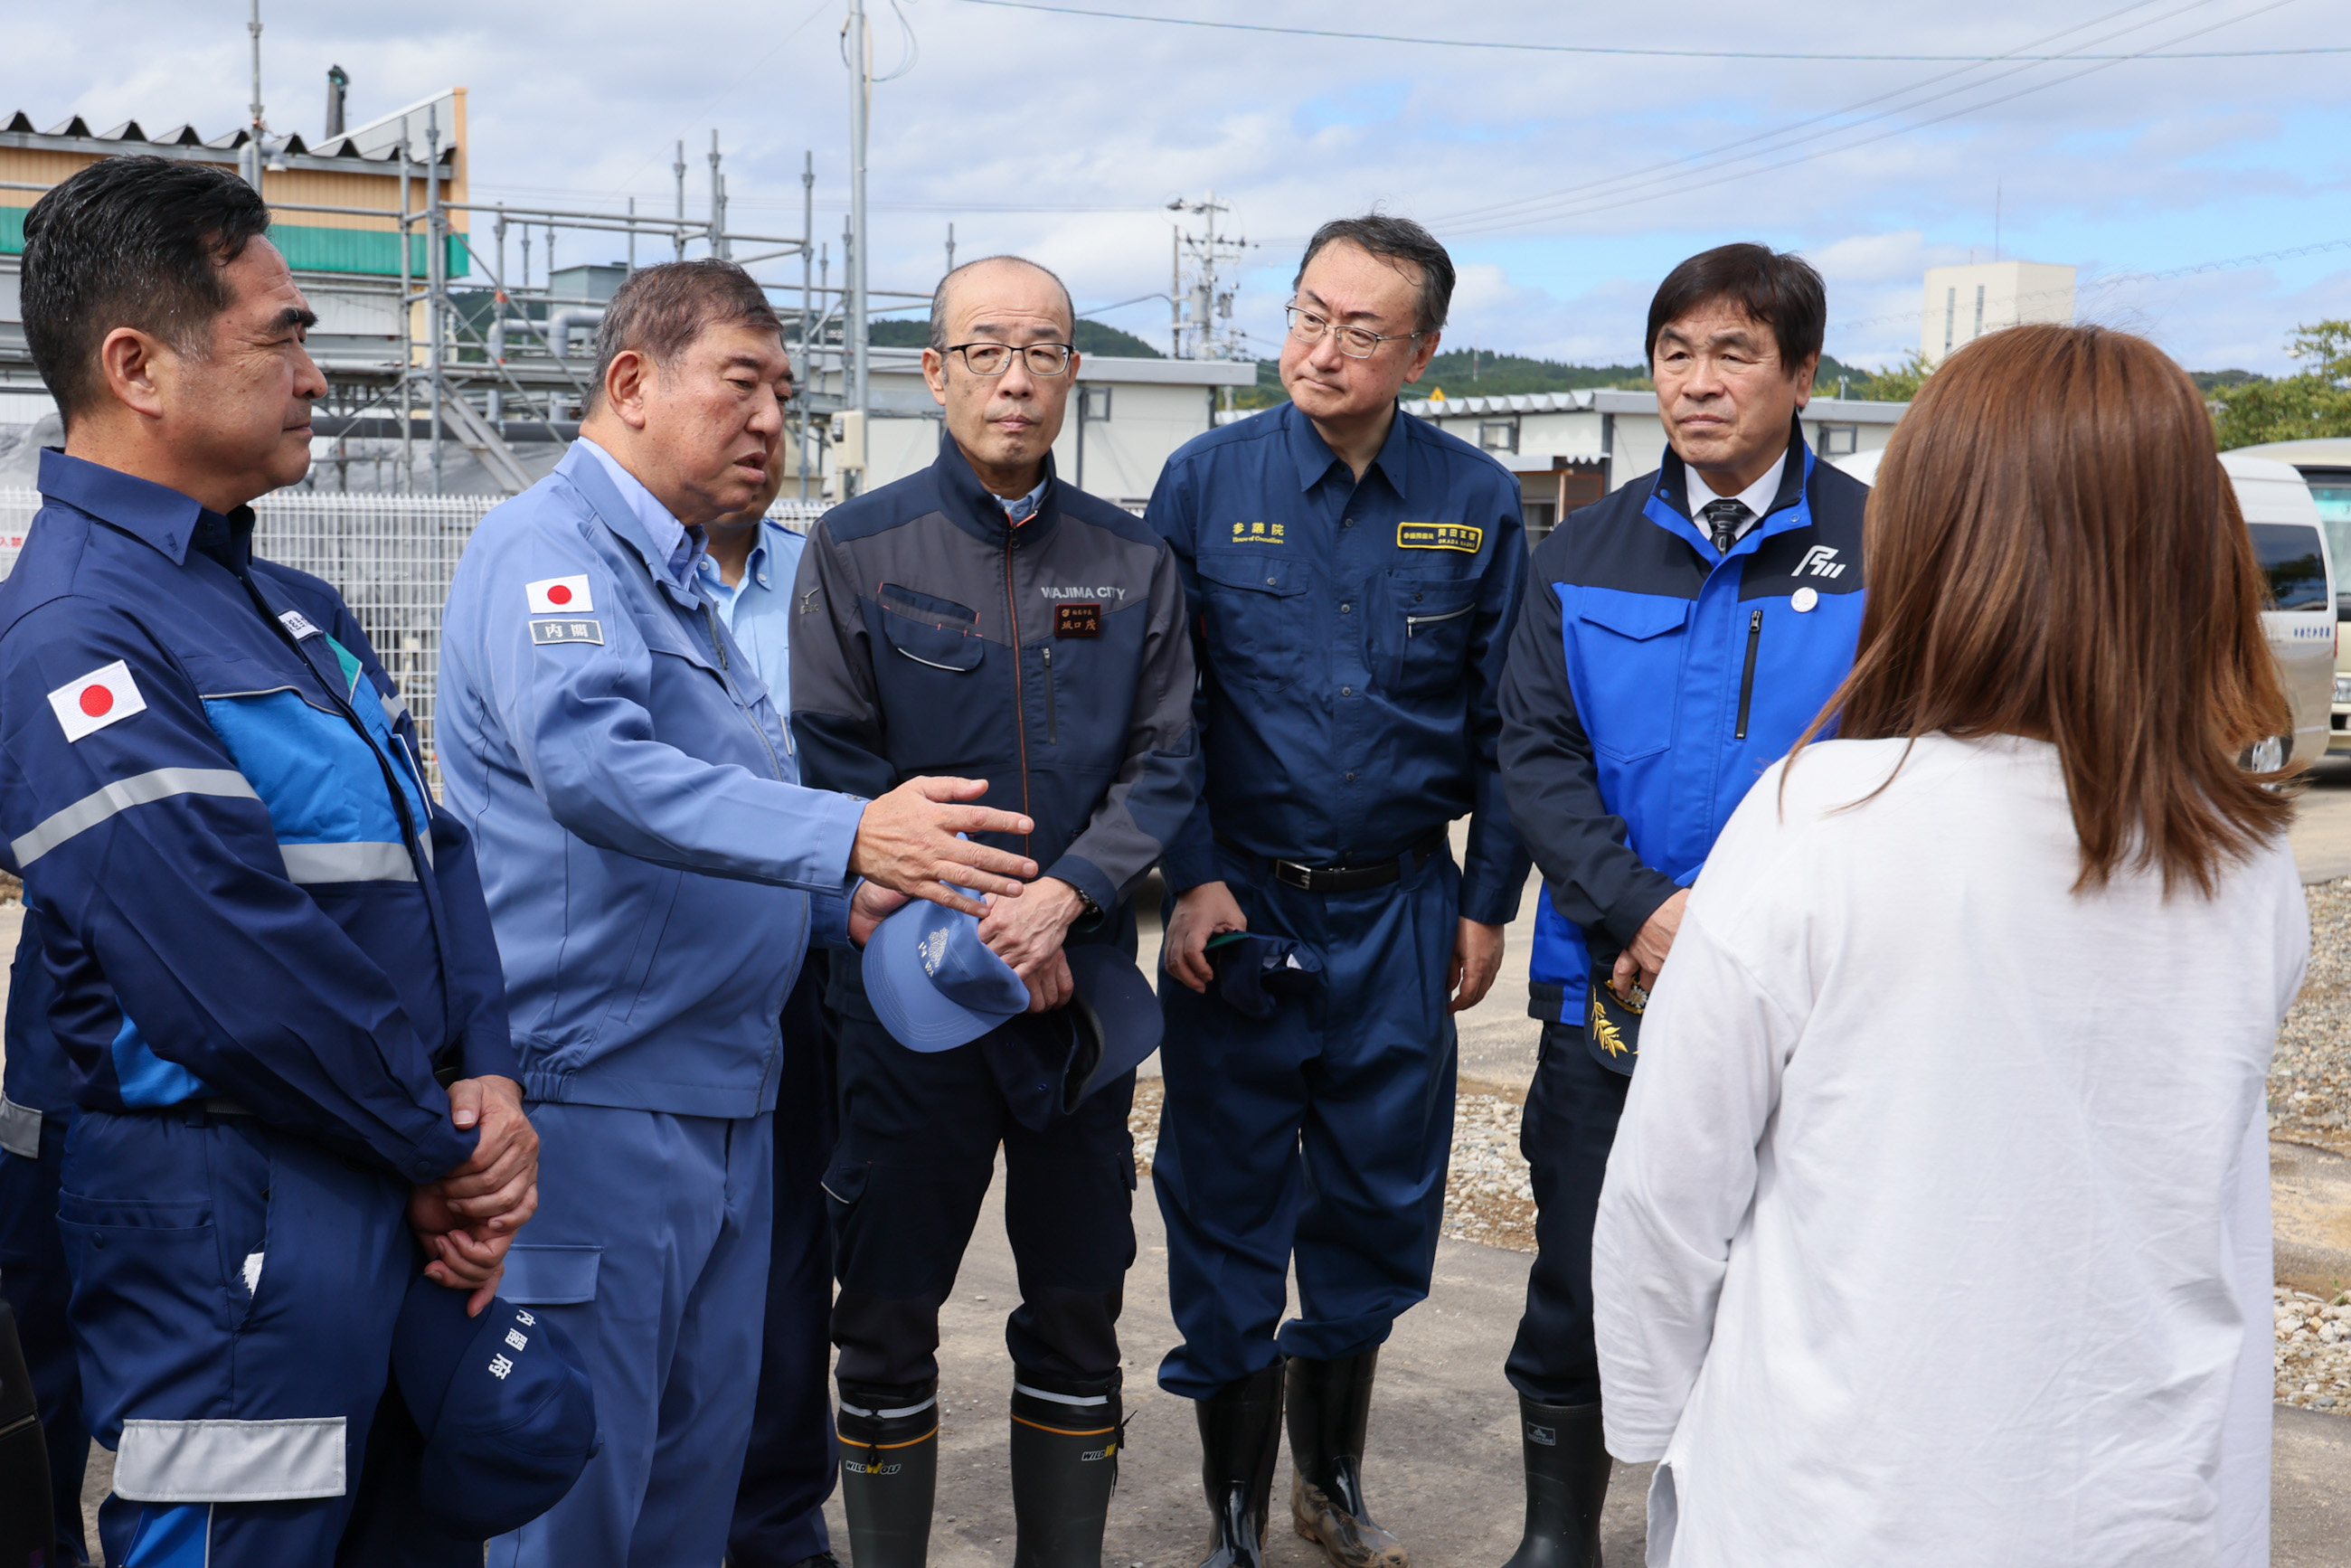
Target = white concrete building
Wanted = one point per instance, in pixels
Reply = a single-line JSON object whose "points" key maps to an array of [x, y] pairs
{"points": [[1137, 413], [1570, 448], [1963, 303]]}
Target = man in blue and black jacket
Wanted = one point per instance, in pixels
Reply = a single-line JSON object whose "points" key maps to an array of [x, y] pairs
{"points": [[268, 948], [1677, 637], [984, 617]]}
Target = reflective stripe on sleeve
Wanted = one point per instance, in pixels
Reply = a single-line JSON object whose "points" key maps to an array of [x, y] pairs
{"points": [[20, 1129], [309, 863], [230, 1461], [139, 789]]}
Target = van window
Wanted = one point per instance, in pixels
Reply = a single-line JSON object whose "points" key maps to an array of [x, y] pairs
{"points": [[2289, 560], [2331, 488]]}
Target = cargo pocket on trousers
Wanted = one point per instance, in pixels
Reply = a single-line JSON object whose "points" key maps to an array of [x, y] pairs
{"points": [[134, 1261], [550, 1276], [844, 1184]]}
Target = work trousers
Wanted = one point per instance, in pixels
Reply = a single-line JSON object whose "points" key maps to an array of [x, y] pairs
{"points": [[1320, 1132], [788, 1471], [33, 1276], [650, 1250], [1569, 1125], [235, 1289], [918, 1140]]}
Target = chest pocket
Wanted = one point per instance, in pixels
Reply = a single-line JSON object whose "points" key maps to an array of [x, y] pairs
{"points": [[933, 647], [1259, 621], [1423, 635], [1625, 652]]}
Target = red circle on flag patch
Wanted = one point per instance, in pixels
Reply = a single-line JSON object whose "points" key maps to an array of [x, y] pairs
{"points": [[95, 701], [558, 594]]}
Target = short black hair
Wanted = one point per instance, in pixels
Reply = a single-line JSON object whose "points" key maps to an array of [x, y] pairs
{"points": [[1777, 287], [129, 242], [660, 310], [939, 294], [1396, 239]]}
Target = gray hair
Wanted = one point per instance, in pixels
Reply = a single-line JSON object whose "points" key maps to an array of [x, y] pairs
{"points": [[1394, 239], [660, 310], [939, 294]]}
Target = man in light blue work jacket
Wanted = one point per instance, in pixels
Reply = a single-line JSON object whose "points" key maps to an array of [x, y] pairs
{"points": [[655, 871]]}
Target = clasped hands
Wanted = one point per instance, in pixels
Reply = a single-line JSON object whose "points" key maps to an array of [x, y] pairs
{"points": [[467, 1219]]}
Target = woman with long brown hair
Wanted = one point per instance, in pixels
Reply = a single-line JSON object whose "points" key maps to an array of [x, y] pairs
{"points": [[1937, 1227]]}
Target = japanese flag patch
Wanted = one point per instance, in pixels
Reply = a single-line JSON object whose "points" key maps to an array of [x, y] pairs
{"points": [[100, 698], [559, 596]]}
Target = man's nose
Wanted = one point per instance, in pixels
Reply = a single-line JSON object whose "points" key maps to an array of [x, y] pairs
{"points": [[1016, 381], [1325, 356], [309, 381], [767, 413]]}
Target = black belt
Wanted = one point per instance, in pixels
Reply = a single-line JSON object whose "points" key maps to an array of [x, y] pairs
{"points": [[1342, 878]]}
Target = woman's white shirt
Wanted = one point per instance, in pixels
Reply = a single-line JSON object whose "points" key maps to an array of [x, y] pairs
{"points": [[1937, 1228]]}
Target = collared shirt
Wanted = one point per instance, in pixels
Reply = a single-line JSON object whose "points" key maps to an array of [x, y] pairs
{"points": [[679, 545], [757, 608], [1351, 637], [1757, 498], [1020, 508]]}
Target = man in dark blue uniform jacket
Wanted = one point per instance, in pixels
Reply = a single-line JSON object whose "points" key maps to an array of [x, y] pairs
{"points": [[1677, 636], [1352, 574], [269, 947]]}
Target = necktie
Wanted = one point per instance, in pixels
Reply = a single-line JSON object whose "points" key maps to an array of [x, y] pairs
{"points": [[1723, 518]]}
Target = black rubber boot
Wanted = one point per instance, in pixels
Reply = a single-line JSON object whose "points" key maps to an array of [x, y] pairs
{"points": [[1064, 1469], [1240, 1436], [1567, 1481], [1329, 1406], [889, 1474]]}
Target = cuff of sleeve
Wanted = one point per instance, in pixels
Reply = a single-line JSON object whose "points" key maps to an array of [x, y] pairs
{"points": [[828, 915], [836, 837], [1635, 1448], [489, 1055], [1629, 913], [1187, 868], [1087, 878], [442, 1151], [1489, 905]]}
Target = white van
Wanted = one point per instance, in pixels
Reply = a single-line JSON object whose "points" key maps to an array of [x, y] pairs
{"points": [[2293, 546], [2325, 466]]}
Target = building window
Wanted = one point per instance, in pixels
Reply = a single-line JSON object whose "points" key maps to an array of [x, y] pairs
{"points": [[1096, 406], [1839, 440], [1498, 435]]}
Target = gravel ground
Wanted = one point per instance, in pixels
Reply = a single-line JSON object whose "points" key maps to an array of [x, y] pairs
{"points": [[2309, 1081], [2314, 1351]]}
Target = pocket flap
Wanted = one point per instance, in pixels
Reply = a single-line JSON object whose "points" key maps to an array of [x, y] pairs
{"points": [[550, 1276], [845, 1182], [941, 647], [1639, 616], [1261, 573]]}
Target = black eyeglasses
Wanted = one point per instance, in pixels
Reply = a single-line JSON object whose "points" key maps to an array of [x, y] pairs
{"points": [[1355, 342], [995, 358]]}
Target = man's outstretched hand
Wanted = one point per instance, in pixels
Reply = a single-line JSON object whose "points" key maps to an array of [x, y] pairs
{"points": [[906, 841]]}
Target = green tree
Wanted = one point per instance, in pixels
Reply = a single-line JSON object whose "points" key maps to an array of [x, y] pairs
{"points": [[2314, 402], [1899, 383]]}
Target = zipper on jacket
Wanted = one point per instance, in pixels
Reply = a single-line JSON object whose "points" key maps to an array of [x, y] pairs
{"points": [[1052, 719], [1413, 623], [1747, 680], [1019, 697], [726, 676]]}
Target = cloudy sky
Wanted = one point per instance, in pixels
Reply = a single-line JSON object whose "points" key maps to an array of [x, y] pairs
{"points": [[1565, 181]]}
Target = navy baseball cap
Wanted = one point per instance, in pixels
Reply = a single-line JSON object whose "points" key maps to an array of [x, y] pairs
{"points": [[933, 982], [1114, 1018], [508, 1418], [1254, 972]]}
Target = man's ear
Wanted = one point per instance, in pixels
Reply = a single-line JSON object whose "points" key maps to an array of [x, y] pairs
{"points": [[1425, 351], [935, 374], [1806, 374], [630, 380], [134, 366]]}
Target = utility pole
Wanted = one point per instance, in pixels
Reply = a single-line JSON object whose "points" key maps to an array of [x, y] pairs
{"points": [[1209, 301], [861, 108], [436, 258], [807, 383], [678, 168], [408, 326], [253, 155], [718, 245], [950, 248]]}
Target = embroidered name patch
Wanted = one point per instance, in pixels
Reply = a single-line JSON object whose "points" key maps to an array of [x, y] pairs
{"points": [[1464, 536], [1256, 533], [1077, 620], [546, 631]]}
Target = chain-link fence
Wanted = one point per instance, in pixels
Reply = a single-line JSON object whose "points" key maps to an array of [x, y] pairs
{"points": [[390, 557]]}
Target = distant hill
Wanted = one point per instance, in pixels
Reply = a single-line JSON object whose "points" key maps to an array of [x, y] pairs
{"points": [[1093, 338]]}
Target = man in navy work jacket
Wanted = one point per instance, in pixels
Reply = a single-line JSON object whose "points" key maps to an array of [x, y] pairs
{"points": [[654, 870], [1351, 573], [1677, 636], [267, 943], [984, 617]]}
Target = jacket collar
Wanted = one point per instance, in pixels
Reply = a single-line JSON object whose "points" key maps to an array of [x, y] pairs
{"points": [[1315, 457], [972, 506], [156, 515], [1668, 502], [588, 477]]}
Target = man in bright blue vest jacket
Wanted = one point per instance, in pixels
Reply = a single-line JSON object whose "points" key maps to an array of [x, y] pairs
{"points": [[1677, 637]]}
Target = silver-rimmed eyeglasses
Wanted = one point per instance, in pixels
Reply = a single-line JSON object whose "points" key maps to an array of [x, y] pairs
{"points": [[995, 358], [1355, 342]]}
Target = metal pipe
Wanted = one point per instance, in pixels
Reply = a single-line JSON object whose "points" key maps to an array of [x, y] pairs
{"points": [[861, 109], [253, 147], [560, 322], [808, 362], [407, 330], [678, 168], [717, 200], [436, 267]]}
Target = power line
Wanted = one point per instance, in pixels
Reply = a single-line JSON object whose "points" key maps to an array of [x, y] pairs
{"points": [[1653, 54]]}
